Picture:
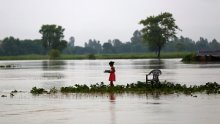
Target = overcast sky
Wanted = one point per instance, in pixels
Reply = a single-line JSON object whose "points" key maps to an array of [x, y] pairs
{"points": [[106, 19]]}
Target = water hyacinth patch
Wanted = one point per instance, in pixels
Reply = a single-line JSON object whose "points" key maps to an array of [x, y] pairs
{"points": [[36, 90], [139, 87]]}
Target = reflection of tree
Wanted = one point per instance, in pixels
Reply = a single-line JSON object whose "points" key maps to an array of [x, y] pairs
{"points": [[53, 75], [156, 64], [50, 84], [151, 64], [53, 65]]}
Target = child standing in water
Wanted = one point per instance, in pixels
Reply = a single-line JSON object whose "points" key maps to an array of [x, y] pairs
{"points": [[112, 73]]}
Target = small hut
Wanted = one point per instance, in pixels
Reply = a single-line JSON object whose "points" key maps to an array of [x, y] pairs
{"points": [[210, 55]]}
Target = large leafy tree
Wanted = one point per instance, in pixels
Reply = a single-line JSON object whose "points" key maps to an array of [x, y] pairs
{"points": [[108, 47], [158, 30], [11, 46], [52, 37]]}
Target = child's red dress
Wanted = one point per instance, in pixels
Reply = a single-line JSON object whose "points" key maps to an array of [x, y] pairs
{"points": [[112, 74]]}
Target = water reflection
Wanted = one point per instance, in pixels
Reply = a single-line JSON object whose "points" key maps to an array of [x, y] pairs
{"points": [[128, 109], [52, 75], [112, 99], [53, 65], [155, 97], [50, 84], [151, 64], [156, 64]]}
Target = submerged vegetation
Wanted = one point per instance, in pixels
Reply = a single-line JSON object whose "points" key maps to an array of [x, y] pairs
{"points": [[139, 87]]}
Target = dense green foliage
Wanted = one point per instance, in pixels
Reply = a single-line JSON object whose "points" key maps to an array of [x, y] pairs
{"points": [[158, 30], [189, 58], [139, 87], [13, 47], [36, 90], [52, 37]]}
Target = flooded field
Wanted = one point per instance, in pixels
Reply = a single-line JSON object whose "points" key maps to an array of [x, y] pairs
{"points": [[79, 108], [47, 74]]}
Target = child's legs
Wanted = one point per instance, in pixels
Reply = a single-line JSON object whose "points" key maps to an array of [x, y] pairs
{"points": [[111, 83]]}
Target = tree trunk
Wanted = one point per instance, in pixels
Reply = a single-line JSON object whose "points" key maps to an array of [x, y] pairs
{"points": [[158, 54]]}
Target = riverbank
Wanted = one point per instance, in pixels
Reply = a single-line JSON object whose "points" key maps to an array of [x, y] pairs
{"points": [[164, 55]]}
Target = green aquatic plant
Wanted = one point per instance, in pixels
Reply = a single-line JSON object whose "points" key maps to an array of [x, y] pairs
{"points": [[74, 89], [14, 91], [53, 90], [139, 87], [36, 90]]}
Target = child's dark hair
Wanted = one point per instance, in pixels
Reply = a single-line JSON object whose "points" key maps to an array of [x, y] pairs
{"points": [[111, 63]]}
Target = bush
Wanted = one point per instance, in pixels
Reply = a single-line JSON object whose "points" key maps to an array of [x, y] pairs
{"points": [[54, 54], [91, 56], [189, 58]]}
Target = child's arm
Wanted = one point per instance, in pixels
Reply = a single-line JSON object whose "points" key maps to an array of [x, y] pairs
{"points": [[107, 71], [112, 70]]}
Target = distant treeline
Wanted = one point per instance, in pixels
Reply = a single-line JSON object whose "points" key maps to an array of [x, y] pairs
{"points": [[11, 46]]}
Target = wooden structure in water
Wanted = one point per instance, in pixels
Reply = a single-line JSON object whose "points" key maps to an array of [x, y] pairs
{"points": [[208, 55]]}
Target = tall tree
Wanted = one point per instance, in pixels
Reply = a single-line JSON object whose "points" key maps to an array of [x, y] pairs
{"points": [[11, 46], [107, 47], [202, 44], [52, 37], [93, 46], [158, 30], [214, 45], [137, 45], [72, 41]]}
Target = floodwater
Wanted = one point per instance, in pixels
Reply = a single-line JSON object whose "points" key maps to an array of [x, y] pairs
{"points": [[105, 108], [48, 74], [24, 108]]}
